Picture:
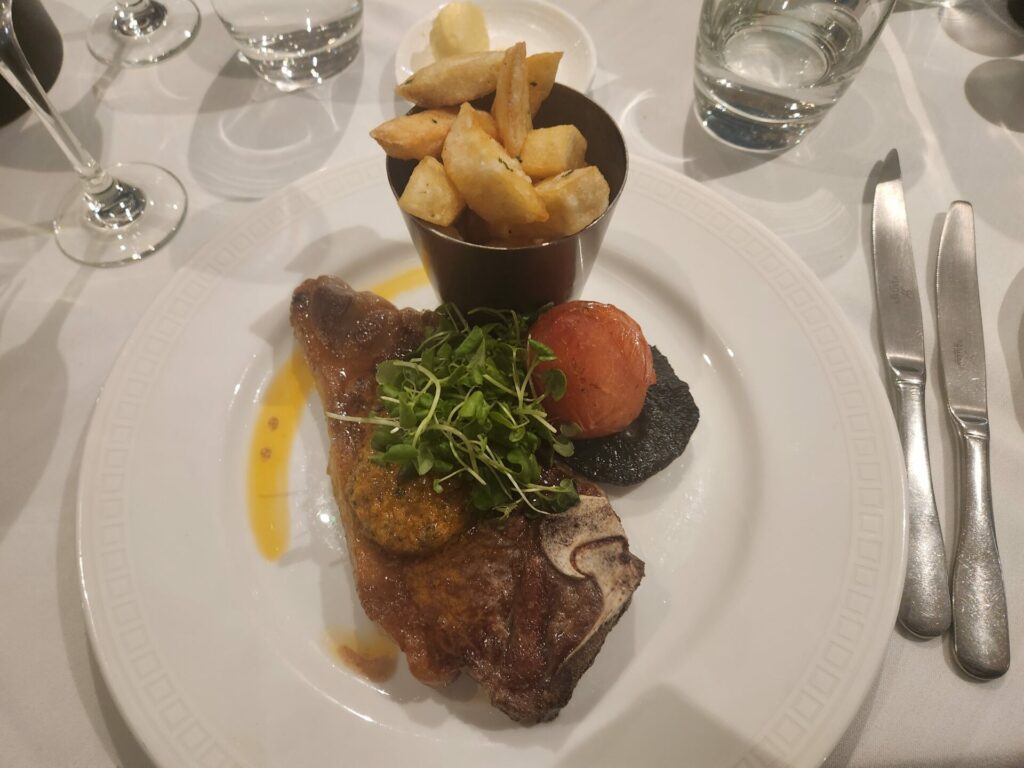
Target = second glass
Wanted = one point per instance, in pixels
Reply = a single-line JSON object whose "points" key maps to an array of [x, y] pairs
{"points": [[768, 71], [294, 43], [132, 33]]}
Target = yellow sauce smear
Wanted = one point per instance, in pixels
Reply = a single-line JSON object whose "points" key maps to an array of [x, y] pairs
{"points": [[277, 423], [371, 653]]}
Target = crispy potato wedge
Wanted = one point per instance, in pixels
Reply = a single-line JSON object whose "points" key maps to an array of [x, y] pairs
{"points": [[541, 69], [430, 194], [550, 151], [511, 107], [573, 199], [413, 137], [486, 121], [451, 81], [490, 180]]}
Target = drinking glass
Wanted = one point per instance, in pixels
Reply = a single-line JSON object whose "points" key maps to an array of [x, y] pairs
{"points": [[294, 43], [106, 219], [768, 71], [133, 33]]}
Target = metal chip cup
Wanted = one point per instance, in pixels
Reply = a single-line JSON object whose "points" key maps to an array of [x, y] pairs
{"points": [[527, 277]]}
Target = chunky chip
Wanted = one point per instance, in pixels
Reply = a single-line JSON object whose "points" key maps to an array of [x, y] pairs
{"points": [[484, 187], [541, 69], [430, 194], [574, 199], [451, 81], [419, 135], [511, 107], [486, 121], [550, 151], [413, 137], [491, 181]]}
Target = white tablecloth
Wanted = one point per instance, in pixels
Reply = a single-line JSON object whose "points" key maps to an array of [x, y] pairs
{"points": [[944, 86]]}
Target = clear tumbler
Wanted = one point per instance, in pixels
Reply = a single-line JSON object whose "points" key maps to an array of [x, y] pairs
{"points": [[294, 43], [768, 71]]}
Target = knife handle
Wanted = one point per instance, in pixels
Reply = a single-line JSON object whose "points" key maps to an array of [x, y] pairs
{"points": [[924, 607], [981, 637]]}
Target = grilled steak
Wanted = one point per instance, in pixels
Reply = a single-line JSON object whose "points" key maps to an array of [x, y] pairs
{"points": [[522, 605]]}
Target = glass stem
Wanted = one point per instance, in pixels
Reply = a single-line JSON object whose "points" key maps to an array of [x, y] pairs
{"points": [[15, 69]]}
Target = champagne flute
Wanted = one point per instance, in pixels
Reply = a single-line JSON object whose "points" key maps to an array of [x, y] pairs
{"points": [[133, 33], [105, 220]]}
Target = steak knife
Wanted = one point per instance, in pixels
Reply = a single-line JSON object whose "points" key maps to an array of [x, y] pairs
{"points": [[925, 605], [981, 641]]}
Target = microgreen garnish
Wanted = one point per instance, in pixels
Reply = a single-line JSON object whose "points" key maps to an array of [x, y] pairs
{"points": [[465, 406]]}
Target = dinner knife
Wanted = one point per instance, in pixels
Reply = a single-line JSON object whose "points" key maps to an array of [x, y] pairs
{"points": [[981, 641], [925, 605]]}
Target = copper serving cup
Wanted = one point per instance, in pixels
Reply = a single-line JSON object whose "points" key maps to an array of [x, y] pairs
{"points": [[526, 277]]}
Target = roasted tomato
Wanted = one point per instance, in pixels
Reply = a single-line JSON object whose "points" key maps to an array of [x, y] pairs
{"points": [[607, 364]]}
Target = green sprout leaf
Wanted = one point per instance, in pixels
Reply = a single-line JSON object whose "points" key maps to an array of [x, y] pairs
{"points": [[542, 351], [399, 453], [424, 458], [554, 383], [389, 374], [570, 429], [464, 408], [562, 447]]}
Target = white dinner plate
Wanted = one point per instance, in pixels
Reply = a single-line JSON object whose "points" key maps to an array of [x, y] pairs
{"points": [[541, 25], [774, 546]]}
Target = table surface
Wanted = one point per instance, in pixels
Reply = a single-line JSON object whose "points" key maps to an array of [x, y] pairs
{"points": [[944, 85]]}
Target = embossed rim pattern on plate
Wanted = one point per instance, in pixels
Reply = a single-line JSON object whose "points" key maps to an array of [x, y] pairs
{"points": [[820, 706]]}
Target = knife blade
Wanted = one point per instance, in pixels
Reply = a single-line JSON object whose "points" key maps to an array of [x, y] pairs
{"points": [[925, 604], [981, 640]]}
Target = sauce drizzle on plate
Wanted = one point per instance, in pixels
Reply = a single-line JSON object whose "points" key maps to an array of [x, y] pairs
{"points": [[277, 423], [371, 654], [270, 452]]}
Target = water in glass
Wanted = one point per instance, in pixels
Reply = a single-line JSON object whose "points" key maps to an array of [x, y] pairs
{"points": [[294, 44], [767, 71]]}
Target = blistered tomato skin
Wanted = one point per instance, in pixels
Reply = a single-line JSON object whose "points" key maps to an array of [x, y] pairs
{"points": [[607, 364]]}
